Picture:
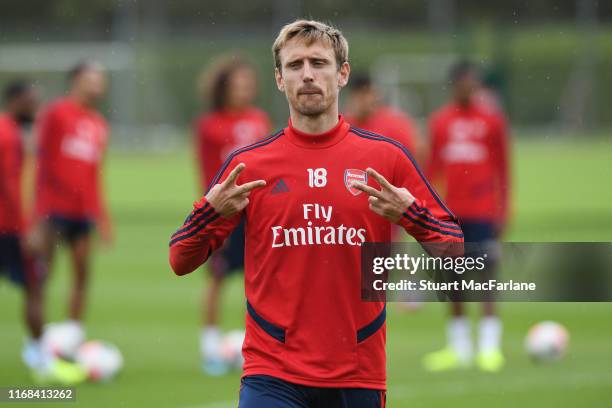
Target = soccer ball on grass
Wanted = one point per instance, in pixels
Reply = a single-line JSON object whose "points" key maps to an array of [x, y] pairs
{"points": [[547, 341], [101, 360]]}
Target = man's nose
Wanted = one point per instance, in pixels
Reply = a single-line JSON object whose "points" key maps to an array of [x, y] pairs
{"points": [[307, 73]]}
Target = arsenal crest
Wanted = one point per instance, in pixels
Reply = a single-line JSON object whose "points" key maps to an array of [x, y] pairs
{"points": [[352, 176]]}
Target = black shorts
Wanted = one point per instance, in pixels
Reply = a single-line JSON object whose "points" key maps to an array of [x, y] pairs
{"points": [[480, 241], [270, 392], [68, 228], [480, 238], [478, 231], [230, 257], [12, 260]]}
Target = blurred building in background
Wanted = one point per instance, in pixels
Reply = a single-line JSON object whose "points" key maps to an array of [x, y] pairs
{"points": [[551, 60]]}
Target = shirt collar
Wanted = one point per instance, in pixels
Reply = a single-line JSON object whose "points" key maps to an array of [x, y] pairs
{"points": [[321, 140]]}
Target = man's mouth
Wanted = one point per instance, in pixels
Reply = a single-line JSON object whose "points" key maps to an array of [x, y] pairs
{"points": [[310, 92]]}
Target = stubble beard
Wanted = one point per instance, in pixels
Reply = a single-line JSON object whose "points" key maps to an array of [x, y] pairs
{"points": [[311, 109]]}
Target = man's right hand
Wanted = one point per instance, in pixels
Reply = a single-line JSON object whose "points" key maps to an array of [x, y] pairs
{"points": [[229, 198]]}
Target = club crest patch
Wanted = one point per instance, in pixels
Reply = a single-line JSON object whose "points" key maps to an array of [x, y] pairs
{"points": [[352, 176]]}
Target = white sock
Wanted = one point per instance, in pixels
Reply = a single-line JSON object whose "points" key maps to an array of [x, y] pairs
{"points": [[77, 329], [35, 356], [76, 324], [489, 337], [210, 341], [460, 338], [77, 336]]}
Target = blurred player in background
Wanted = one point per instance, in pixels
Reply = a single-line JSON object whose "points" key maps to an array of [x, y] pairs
{"points": [[230, 85], [489, 93], [71, 142], [469, 161], [21, 102], [366, 110]]}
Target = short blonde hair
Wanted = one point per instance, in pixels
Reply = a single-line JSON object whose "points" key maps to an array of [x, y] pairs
{"points": [[311, 31]]}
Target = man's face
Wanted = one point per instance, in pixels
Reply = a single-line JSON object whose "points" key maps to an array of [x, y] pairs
{"points": [[25, 106], [362, 102], [310, 77], [241, 88], [92, 83], [465, 86]]}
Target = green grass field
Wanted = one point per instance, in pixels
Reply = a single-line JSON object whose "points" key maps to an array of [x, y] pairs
{"points": [[137, 303]]}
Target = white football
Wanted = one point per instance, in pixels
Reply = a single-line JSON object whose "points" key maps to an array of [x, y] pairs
{"points": [[63, 339], [231, 348], [100, 360], [547, 341]]}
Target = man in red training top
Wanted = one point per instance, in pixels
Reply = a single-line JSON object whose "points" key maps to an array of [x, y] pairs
{"points": [[71, 141], [469, 160], [311, 194], [21, 102], [231, 123], [366, 110]]}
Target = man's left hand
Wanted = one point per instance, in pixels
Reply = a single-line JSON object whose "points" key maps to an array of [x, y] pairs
{"points": [[390, 201]]}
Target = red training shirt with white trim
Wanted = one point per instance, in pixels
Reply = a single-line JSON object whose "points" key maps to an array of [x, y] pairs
{"points": [[220, 132], [469, 156], [71, 142], [305, 320]]}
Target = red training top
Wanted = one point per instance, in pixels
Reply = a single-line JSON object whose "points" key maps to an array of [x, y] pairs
{"points": [[71, 141], [11, 162], [306, 322], [391, 123], [469, 155], [221, 132]]}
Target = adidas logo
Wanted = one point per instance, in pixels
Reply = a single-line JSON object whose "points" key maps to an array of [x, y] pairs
{"points": [[280, 187]]}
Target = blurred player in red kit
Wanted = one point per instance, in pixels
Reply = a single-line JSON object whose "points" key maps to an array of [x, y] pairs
{"points": [[71, 143], [311, 195], [469, 161], [230, 86], [366, 110], [21, 102]]}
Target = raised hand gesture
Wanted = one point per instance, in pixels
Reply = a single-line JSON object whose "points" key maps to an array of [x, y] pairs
{"points": [[229, 198], [390, 201]]}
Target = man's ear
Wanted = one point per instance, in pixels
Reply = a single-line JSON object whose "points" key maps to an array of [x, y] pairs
{"points": [[279, 79], [343, 74]]}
